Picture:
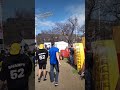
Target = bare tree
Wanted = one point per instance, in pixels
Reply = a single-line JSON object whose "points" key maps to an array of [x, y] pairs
{"points": [[105, 9], [99, 12], [48, 36], [111, 8], [62, 32], [68, 28], [81, 29]]}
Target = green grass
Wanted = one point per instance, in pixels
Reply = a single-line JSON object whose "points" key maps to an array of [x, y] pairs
{"points": [[74, 71], [65, 59]]}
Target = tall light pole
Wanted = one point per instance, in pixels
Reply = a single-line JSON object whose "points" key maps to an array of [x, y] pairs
{"points": [[41, 16], [44, 15]]}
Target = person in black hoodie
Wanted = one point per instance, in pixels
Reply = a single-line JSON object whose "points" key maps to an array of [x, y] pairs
{"points": [[41, 56], [16, 69]]}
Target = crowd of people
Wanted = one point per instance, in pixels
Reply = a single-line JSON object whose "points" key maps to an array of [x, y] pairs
{"points": [[70, 50], [41, 56], [17, 65], [53, 53]]}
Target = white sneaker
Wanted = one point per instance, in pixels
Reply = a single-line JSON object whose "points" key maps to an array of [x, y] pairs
{"points": [[56, 83], [82, 74], [44, 79]]}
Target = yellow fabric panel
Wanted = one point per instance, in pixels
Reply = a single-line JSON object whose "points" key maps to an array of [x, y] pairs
{"points": [[83, 41], [106, 63], [75, 59], [79, 55], [116, 37]]}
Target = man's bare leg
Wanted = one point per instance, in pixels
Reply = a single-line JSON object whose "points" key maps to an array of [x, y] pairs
{"points": [[39, 74]]}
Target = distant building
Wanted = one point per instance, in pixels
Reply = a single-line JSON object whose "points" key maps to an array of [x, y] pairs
{"points": [[41, 38], [47, 45], [61, 45]]}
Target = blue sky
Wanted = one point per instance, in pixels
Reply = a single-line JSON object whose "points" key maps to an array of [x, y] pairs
{"points": [[61, 10]]}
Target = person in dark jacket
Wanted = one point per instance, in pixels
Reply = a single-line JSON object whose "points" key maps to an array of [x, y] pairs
{"points": [[71, 57], [16, 69]]}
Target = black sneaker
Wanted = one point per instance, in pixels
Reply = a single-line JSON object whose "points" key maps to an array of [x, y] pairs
{"points": [[56, 83], [44, 79], [52, 82], [39, 79]]}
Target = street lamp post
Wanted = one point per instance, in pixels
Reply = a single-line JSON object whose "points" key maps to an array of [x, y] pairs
{"points": [[42, 16]]}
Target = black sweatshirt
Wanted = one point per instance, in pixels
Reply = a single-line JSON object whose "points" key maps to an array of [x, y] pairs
{"points": [[42, 55], [16, 69]]}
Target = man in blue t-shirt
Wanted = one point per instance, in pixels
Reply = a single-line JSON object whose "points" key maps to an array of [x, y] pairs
{"points": [[54, 63]]}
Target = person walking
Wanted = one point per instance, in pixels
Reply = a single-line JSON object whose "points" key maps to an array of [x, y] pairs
{"points": [[71, 57], [42, 55], [16, 69], [54, 64]]}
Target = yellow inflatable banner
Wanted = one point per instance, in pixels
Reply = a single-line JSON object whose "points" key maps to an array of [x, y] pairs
{"points": [[105, 69], [83, 41], [79, 55]]}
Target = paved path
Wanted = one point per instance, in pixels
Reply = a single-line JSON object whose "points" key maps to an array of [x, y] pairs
{"points": [[68, 80]]}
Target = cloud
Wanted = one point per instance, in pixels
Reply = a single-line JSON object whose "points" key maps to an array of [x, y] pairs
{"points": [[46, 23], [43, 23], [77, 11]]}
